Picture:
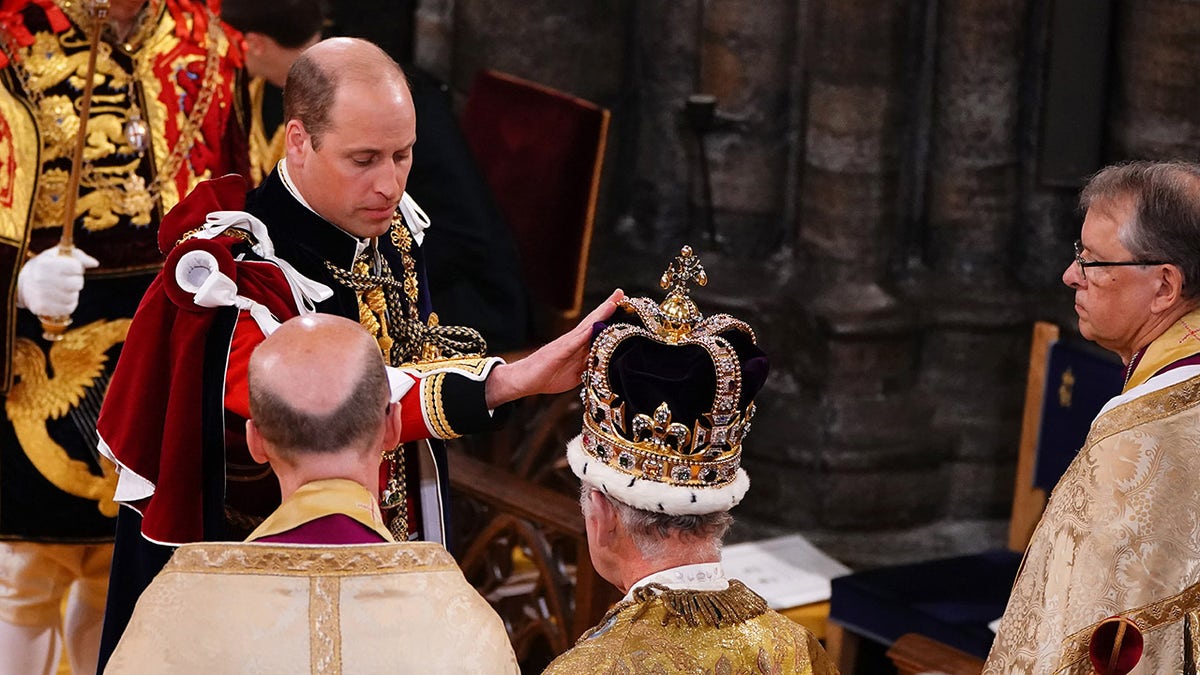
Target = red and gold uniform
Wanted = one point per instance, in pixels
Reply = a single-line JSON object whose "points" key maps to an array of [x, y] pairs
{"points": [[166, 113]]}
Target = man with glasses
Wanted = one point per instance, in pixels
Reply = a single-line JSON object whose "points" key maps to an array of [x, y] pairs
{"points": [[1121, 533]]}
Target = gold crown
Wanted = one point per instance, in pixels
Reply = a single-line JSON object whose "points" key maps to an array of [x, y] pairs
{"points": [[654, 446]]}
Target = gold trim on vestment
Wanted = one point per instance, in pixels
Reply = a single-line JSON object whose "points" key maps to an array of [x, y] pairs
{"points": [[325, 625], [305, 560], [1147, 618], [1148, 408]]}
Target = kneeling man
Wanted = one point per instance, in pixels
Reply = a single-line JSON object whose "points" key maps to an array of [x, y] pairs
{"points": [[668, 397], [323, 588]]}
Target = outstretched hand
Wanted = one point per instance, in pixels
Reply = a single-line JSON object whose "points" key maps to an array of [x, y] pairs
{"points": [[555, 367]]}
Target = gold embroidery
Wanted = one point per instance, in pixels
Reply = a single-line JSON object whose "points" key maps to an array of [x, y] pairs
{"points": [[651, 635], [300, 561], [36, 397], [734, 605], [19, 147], [324, 625], [471, 366], [110, 186], [1153, 406]]}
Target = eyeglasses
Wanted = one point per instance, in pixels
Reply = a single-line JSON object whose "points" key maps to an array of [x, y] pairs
{"points": [[1084, 264]]}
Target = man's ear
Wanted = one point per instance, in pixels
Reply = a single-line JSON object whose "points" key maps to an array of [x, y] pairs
{"points": [[1169, 290], [605, 521], [392, 426], [255, 42], [296, 142], [256, 444]]}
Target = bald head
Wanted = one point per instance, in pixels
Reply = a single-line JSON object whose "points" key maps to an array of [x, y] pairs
{"points": [[314, 79], [318, 384]]}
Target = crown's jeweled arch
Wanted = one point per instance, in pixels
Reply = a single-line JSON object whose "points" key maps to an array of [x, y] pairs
{"points": [[656, 447]]}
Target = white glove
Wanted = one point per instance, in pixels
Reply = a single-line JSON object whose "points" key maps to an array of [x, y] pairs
{"points": [[49, 283]]}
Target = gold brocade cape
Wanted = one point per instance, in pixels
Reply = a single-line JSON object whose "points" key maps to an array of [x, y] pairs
{"points": [[361, 609], [1121, 531], [685, 631]]}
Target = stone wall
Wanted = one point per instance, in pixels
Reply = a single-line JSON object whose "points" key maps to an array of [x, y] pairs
{"points": [[877, 213]]}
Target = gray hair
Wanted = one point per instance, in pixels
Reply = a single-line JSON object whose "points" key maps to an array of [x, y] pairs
{"points": [[650, 530], [294, 431], [1166, 212]]}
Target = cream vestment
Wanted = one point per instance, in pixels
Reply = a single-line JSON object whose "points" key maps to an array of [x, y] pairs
{"points": [[279, 608], [1121, 532]]}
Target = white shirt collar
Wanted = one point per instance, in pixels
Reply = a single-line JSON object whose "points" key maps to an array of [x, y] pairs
{"points": [[697, 577], [360, 244]]}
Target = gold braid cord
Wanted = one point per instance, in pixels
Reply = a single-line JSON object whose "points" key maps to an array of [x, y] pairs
{"points": [[388, 308]]}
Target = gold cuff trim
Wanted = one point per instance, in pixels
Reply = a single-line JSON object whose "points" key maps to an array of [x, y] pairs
{"points": [[473, 367], [435, 412]]}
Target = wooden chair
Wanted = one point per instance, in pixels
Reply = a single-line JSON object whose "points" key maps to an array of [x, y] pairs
{"points": [[524, 546], [914, 653], [525, 550], [541, 152], [951, 600]]}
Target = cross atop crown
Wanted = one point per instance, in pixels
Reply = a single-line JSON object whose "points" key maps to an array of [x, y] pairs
{"points": [[678, 310], [685, 268]]}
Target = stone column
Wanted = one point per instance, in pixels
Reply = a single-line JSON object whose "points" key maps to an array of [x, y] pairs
{"points": [[1157, 99], [862, 352], [746, 59], [434, 40], [975, 318]]}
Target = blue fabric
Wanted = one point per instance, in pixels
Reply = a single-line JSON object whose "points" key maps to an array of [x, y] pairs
{"points": [[1079, 381], [950, 600]]}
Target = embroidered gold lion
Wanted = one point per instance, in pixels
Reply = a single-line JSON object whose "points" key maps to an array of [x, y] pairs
{"points": [[36, 397]]}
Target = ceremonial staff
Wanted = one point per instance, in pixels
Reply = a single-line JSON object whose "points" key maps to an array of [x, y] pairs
{"points": [[53, 327]]}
